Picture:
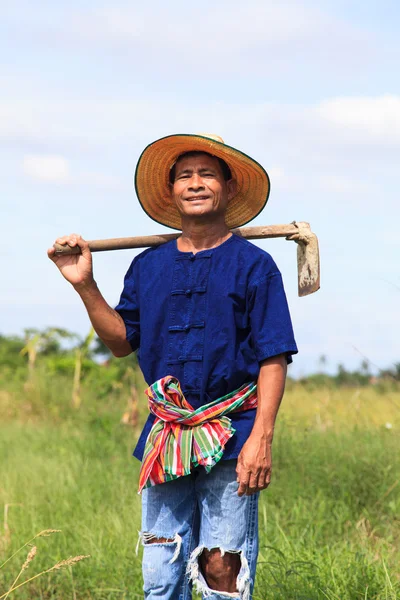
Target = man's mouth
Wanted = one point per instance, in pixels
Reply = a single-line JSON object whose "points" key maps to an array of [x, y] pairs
{"points": [[193, 198]]}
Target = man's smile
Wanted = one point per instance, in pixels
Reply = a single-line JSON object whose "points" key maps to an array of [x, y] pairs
{"points": [[193, 198]]}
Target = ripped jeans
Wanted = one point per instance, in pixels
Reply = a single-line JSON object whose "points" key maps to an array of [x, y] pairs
{"points": [[193, 513]]}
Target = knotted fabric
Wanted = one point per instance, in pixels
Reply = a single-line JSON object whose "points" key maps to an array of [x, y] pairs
{"points": [[181, 437]]}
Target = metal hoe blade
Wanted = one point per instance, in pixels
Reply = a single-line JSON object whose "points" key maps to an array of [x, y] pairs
{"points": [[308, 265]]}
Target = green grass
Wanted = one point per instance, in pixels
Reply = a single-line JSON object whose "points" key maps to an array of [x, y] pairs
{"points": [[329, 523]]}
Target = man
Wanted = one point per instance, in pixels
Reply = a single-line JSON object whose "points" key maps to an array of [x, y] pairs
{"points": [[209, 318]]}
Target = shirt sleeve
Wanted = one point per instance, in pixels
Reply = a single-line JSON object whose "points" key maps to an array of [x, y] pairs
{"points": [[128, 308], [271, 326]]}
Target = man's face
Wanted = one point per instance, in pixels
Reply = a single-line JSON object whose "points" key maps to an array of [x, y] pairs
{"points": [[199, 189]]}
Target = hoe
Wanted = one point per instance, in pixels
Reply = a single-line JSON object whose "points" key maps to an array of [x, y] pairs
{"points": [[308, 271]]}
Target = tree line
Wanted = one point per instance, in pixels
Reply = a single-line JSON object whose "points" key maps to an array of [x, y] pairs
{"points": [[58, 351]]}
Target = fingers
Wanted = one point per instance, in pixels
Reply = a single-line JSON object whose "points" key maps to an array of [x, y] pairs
{"points": [[71, 240], [252, 482], [253, 467], [243, 476], [242, 489], [265, 480]]}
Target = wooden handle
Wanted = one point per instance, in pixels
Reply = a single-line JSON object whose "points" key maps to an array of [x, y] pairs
{"points": [[148, 241]]}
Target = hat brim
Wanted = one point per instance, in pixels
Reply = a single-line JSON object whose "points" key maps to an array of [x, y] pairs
{"points": [[153, 187]]}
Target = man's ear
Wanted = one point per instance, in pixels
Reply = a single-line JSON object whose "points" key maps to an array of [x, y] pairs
{"points": [[231, 185]]}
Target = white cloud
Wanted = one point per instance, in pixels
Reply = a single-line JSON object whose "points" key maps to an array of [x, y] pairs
{"points": [[49, 168], [341, 184], [219, 38], [16, 119], [90, 121], [376, 117], [277, 178], [57, 169], [233, 23], [345, 145], [104, 180], [276, 173]]}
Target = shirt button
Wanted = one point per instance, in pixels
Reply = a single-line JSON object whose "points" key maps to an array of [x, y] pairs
{"points": [[188, 292], [187, 327], [192, 258]]}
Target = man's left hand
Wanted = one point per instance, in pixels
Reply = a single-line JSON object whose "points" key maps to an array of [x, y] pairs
{"points": [[254, 465]]}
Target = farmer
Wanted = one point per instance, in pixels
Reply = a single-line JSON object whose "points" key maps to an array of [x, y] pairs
{"points": [[208, 315]]}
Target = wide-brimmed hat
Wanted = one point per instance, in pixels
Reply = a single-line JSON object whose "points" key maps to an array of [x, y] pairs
{"points": [[152, 178]]}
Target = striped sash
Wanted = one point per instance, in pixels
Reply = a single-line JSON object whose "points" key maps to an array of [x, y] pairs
{"points": [[182, 438]]}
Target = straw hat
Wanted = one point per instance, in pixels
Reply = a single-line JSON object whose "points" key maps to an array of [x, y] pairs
{"points": [[153, 170]]}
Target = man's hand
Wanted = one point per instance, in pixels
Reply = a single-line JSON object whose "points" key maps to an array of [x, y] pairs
{"points": [[254, 465], [255, 460], [76, 268]]}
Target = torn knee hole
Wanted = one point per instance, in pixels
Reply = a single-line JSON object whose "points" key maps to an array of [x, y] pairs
{"points": [[220, 569], [216, 554], [217, 569], [150, 538]]}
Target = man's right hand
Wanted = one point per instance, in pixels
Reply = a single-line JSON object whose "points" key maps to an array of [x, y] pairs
{"points": [[76, 268]]}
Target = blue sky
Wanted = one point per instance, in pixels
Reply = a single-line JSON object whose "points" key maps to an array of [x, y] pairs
{"points": [[309, 89]]}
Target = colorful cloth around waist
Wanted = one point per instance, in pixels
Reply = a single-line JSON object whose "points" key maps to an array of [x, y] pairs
{"points": [[183, 438]]}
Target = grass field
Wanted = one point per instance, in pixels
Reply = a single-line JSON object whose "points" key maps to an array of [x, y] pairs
{"points": [[330, 521]]}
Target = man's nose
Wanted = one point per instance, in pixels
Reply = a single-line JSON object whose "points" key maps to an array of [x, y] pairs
{"points": [[196, 182]]}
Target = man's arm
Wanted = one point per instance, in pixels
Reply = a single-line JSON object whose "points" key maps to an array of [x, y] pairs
{"points": [[78, 270], [255, 459]]}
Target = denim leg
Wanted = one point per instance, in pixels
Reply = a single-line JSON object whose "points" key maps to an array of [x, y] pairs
{"points": [[227, 522], [169, 511]]}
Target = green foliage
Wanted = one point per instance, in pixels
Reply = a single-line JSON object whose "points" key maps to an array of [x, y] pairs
{"points": [[57, 352], [392, 373], [329, 522], [10, 351]]}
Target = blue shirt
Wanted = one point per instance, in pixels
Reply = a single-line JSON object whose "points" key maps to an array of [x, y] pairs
{"points": [[208, 319]]}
